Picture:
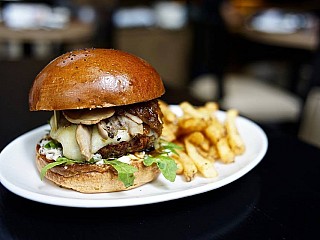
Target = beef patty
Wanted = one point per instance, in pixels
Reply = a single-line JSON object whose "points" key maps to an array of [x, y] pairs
{"points": [[150, 113]]}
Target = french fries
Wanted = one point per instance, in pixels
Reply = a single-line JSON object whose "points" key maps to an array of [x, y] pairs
{"points": [[235, 141], [189, 168], [203, 165], [197, 138], [170, 126], [205, 139], [179, 170]]}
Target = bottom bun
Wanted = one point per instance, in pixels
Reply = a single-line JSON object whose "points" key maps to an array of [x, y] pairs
{"points": [[92, 178]]}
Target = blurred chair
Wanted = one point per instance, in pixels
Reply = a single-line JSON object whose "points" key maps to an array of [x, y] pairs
{"points": [[261, 101], [254, 98], [309, 130]]}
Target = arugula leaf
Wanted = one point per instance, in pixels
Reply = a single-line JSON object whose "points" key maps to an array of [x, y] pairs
{"points": [[125, 171], [170, 147], [167, 165], [52, 144], [161, 157]]}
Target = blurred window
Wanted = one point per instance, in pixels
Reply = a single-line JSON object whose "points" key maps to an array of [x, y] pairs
{"points": [[34, 16]]}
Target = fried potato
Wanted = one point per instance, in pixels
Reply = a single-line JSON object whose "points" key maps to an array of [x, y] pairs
{"points": [[205, 167], [189, 110], [189, 168], [215, 131], [179, 167], [170, 126], [211, 154], [169, 132], [189, 125], [169, 116], [205, 139], [205, 145], [208, 110], [197, 138], [235, 141], [211, 106], [225, 153]]}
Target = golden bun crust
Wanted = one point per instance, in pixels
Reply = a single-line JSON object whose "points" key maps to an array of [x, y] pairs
{"points": [[94, 178], [93, 78]]}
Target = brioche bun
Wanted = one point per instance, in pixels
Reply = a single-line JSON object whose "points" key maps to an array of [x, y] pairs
{"points": [[94, 78], [93, 178], [99, 78]]}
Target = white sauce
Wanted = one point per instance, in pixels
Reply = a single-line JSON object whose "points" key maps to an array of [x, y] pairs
{"points": [[98, 159], [50, 153], [55, 153], [125, 159]]}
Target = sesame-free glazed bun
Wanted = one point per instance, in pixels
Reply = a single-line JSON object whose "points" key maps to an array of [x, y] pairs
{"points": [[92, 178], [94, 78]]}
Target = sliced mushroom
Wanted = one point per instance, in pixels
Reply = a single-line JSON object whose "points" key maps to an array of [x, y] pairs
{"points": [[133, 127], [83, 137], [87, 116], [111, 127], [103, 129], [133, 118]]}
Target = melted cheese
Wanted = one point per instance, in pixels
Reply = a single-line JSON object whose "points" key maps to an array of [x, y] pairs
{"points": [[67, 137]]}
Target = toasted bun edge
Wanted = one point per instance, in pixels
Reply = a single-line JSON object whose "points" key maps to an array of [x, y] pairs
{"points": [[96, 181]]}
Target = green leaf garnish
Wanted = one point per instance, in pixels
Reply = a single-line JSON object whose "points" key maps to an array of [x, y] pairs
{"points": [[161, 157], [52, 144], [170, 147], [167, 165], [125, 171]]}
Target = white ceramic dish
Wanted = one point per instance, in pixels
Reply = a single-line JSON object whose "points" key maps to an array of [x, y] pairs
{"points": [[18, 174]]}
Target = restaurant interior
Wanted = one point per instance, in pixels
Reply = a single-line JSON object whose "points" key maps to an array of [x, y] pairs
{"points": [[258, 56], [261, 57]]}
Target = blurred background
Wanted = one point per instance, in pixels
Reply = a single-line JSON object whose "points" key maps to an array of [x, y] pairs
{"points": [[259, 56]]}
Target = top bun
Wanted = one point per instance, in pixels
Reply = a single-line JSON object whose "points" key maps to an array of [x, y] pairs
{"points": [[94, 78]]}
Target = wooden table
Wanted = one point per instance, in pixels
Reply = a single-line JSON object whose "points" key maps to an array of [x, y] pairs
{"points": [[75, 32], [303, 39], [303, 42]]}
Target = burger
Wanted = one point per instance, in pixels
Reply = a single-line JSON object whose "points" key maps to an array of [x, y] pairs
{"points": [[105, 130]]}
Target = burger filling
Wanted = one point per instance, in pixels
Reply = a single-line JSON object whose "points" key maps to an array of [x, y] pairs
{"points": [[99, 135], [128, 129]]}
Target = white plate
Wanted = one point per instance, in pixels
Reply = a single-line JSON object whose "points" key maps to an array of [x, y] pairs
{"points": [[18, 174]]}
